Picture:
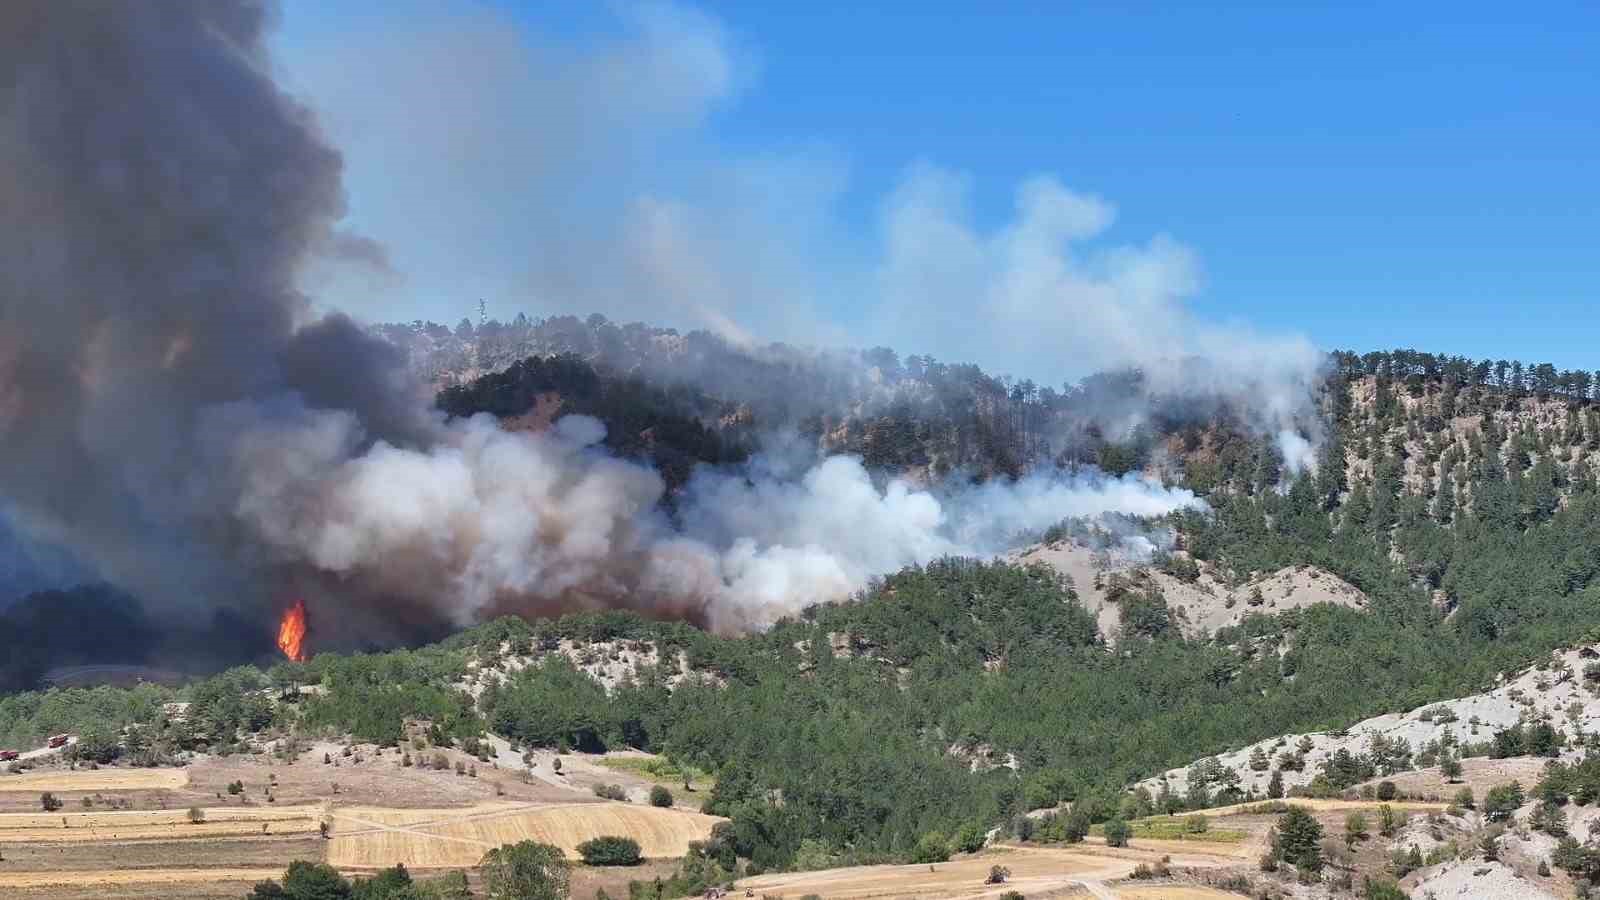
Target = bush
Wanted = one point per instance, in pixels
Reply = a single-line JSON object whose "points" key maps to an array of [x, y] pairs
{"points": [[196, 815], [610, 792], [1381, 889], [1117, 832], [933, 848], [1387, 791], [49, 802], [971, 837], [660, 796], [610, 850], [1502, 801], [236, 788], [1196, 824]]}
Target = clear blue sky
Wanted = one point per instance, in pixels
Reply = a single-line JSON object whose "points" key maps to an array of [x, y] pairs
{"points": [[1367, 176]]}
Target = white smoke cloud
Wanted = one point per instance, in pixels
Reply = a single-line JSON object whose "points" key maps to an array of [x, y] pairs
{"points": [[178, 416], [523, 194], [487, 520]]}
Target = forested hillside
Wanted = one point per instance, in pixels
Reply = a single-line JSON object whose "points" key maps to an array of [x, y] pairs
{"points": [[914, 414], [1461, 505]]}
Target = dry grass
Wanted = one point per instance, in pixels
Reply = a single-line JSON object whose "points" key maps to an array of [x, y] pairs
{"points": [[166, 824], [1033, 873], [371, 838], [96, 780], [1173, 892], [656, 770], [136, 876]]}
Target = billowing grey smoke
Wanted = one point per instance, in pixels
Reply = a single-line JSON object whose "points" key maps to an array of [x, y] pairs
{"points": [[170, 409], [159, 195]]}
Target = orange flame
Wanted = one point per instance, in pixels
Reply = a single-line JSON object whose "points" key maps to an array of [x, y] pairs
{"points": [[292, 632]]}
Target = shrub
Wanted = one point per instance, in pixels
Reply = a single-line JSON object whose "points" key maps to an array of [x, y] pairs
{"points": [[933, 848], [1117, 832], [1196, 824], [610, 792], [49, 802], [971, 838], [1502, 801], [196, 815], [1387, 791], [610, 850], [1381, 889], [660, 796]]}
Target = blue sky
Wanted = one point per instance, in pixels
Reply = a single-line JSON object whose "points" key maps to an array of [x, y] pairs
{"points": [[1400, 174]]}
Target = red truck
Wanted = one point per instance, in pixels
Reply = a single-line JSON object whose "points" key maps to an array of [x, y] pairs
{"points": [[7, 755], [58, 740]]}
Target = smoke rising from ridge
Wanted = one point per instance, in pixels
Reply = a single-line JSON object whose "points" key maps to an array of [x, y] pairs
{"points": [[172, 409], [752, 242]]}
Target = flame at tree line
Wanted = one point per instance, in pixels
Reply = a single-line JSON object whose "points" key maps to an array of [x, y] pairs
{"points": [[292, 632]]}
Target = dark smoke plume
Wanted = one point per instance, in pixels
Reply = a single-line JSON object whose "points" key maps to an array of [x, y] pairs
{"points": [[158, 195], [172, 411]]}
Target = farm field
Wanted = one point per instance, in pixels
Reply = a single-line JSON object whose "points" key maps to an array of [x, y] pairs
{"points": [[1084, 869], [120, 877], [367, 837], [95, 780], [165, 824]]}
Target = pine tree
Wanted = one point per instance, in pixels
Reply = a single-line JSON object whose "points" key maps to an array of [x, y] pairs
{"points": [[1300, 839]]}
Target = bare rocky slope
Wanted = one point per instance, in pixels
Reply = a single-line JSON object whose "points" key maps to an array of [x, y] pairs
{"points": [[1202, 604]]}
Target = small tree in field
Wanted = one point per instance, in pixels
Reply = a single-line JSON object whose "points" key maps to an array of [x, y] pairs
{"points": [[196, 815], [49, 802], [1450, 768], [660, 796], [1117, 833]]}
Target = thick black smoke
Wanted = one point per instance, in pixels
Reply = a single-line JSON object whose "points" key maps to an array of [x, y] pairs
{"points": [[172, 411], [158, 196]]}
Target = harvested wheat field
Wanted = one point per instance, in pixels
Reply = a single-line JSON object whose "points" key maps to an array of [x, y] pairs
{"points": [[165, 824], [1033, 872], [366, 837], [120, 877], [96, 780]]}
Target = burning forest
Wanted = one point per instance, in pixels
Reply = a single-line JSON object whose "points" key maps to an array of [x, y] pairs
{"points": [[181, 417], [292, 632]]}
